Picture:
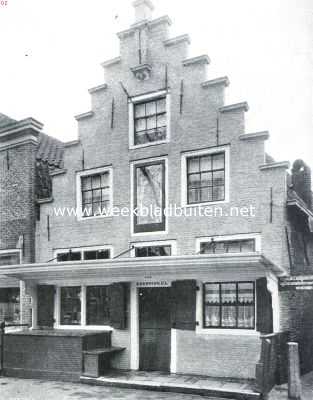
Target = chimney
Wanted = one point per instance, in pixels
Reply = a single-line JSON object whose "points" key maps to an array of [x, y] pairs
{"points": [[143, 10]]}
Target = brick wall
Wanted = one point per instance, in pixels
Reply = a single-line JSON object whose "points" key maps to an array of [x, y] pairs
{"points": [[17, 207], [297, 318], [217, 355], [194, 129]]}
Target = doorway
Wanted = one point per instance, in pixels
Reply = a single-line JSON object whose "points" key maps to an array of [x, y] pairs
{"points": [[155, 329]]}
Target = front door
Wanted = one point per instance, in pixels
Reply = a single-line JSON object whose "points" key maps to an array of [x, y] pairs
{"points": [[45, 306], [154, 329]]}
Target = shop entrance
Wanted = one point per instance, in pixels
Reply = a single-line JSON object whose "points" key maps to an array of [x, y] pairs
{"points": [[155, 329]]}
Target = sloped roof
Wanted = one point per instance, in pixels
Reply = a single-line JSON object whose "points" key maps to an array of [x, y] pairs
{"points": [[50, 151]]}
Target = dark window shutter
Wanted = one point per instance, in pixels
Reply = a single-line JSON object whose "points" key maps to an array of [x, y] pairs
{"points": [[264, 319], [184, 305], [117, 306]]}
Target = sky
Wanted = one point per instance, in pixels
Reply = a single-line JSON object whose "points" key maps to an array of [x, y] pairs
{"points": [[51, 50]]}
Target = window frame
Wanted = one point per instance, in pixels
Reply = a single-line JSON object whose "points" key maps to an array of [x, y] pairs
{"points": [[155, 243], [220, 305], [184, 174], [79, 200], [82, 250], [83, 303], [229, 238], [155, 228], [145, 98]]}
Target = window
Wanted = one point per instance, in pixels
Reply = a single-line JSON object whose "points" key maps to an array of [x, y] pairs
{"points": [[71, 305], [10, 305], [10, 257], [206, 178], [229, 305], [150, 121], [97, 305], [94, 193], [227, 246], [149, 197], [83, 254], [153, 251], [69, 256]]}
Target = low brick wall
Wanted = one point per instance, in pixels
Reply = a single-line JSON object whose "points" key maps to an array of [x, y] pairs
{"points": [[48, 356], [217, 355]]}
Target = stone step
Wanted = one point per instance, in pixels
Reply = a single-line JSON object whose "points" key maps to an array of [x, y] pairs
{"points": [[175, 387]]}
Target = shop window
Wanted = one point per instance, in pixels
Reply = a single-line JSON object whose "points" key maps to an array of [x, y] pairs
{"points": [[149, 197], [227, 246], [229, 305], [97, 305], [71, 305]]}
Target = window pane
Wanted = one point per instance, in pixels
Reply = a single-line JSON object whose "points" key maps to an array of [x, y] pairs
{"points": [[161, 120], [87, 197], [194, 180], [105, 194], [212, 293], [193, 164], [206, 179], [96, 181], [218, 161], [228, 291], [153, 251], [233, 247], [97, 305], [229, 316], [70, 305], [96, 254], [140, 110], [212, 316], [205, 163], [140, 125], [218, 193], [96, 208], [246, 293], [161, 105], [87, 210], [86, 183], [151, 108], [9, 259], [218, 178], [104, 254], [151, 123], [149, 192], [220, 247], [105, 180], [207, 248], [96, 195], [246, 317], [206, 194], [194, 196], [247, 246]]}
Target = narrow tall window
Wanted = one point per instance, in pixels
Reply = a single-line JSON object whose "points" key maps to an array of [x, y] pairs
{"points": [[229, 305], [150, 121], [206, 178], [149, 197], [97, 305], [96, 194]]}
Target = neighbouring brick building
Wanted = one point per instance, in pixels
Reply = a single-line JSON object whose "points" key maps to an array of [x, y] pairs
{"points": [[189, 293]]}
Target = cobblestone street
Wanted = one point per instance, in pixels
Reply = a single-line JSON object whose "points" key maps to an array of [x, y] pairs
{"points": [[28, 389]]}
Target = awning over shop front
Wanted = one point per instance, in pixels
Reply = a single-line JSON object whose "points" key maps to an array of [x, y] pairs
{"points": [[134, 269]]}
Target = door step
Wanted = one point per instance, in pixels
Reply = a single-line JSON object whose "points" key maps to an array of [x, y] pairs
{"points": [[187, 384]]}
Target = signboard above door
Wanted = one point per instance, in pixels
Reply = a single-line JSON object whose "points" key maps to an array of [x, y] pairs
{"points": [[153, 283]]}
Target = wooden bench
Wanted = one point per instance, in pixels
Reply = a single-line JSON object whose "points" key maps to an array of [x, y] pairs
{"points": [[97, 361]]}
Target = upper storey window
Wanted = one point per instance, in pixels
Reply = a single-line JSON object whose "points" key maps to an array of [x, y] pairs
{"points": [[94, 193], [205, 176], [149, 119]]}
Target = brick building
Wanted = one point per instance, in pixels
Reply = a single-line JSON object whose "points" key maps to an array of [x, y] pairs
{"points": [[185, 293]]}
